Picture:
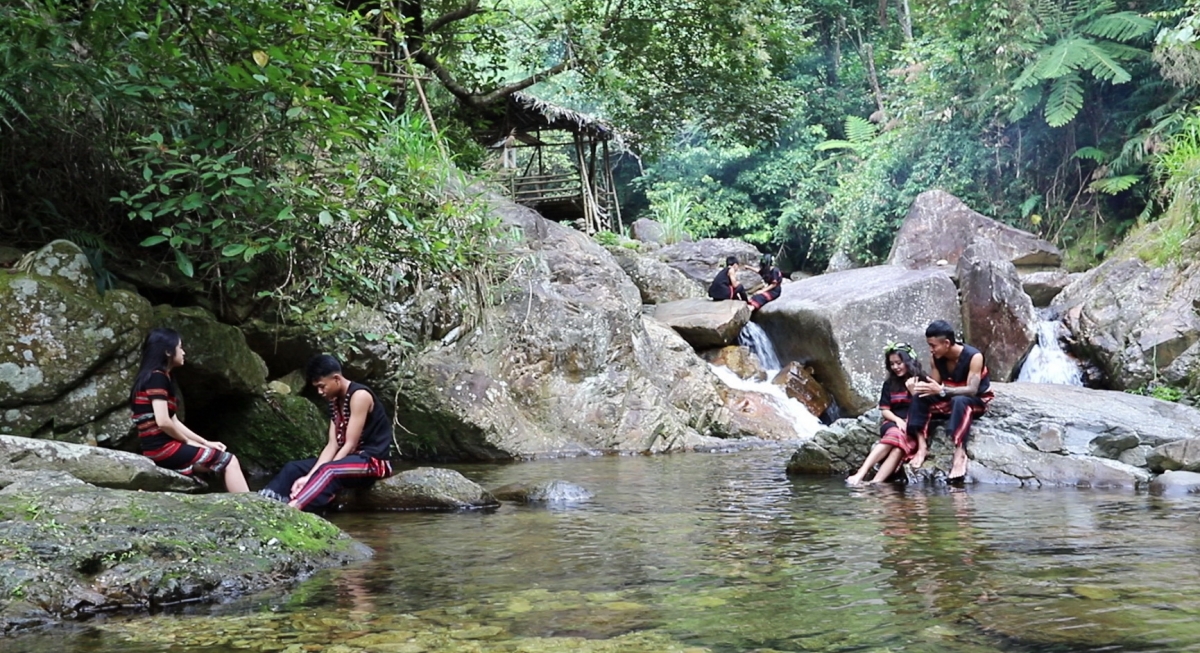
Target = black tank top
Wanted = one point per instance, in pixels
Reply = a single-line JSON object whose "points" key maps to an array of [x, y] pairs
{"points": [[376, 440], [962, 371]]}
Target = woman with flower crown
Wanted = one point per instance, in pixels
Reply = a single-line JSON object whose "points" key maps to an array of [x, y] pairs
{"points": [[895, 446]]}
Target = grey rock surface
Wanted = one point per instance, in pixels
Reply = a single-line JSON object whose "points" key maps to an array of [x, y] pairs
{"points": [[424, 488], [998, 317], [657, 282], [701, 260], [703, 322], [555, 492], [95, 465]]}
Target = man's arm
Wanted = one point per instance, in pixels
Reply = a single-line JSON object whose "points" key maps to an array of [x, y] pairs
{"points": [[361, 404], [974, 378], [931, 387]]}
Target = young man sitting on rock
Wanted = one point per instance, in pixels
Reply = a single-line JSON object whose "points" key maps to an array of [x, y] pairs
{"points": [[360, 439], [725, 285], [958, 386]]}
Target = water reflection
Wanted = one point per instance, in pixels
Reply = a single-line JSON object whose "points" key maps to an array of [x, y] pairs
{"points": [[724, 553]]}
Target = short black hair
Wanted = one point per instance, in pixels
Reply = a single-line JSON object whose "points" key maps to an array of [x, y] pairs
{"points": [[730, 260], [940, 329], [321, 366]]}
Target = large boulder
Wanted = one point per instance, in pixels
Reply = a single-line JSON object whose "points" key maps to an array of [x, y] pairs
{"points": [[424, 488], [838, 324], [73, 550], [266, 431], [67, 353], [563, 362], [740, 360], [799, 384], [648, 231], [940, 227], [1031, 434], [705, 323], [1181, 455], [1137, 322], [1176, 483], [703, 259], [998, 317], [657, 282], [95, 465]]}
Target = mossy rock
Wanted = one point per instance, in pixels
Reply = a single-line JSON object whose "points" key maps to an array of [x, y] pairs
{"points": [[219, 362], [267, 431], [73, 549]]}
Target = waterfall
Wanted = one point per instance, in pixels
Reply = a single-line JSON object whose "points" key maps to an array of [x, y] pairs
{"points": [[756, 340], [1047, 362]]}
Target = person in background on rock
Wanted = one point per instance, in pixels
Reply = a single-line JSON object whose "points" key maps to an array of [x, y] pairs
{"points": [[725, 285], [958, 386], [163, 438], [896, 446], [770, 276], [360, 438]]}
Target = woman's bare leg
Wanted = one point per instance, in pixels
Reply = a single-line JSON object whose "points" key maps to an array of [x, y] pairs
{"points": [[888, 466], [878, 453]]}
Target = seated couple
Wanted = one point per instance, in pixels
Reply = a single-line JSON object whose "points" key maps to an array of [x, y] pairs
{"points": [[957, 386], [725, 285], [356, 454]]}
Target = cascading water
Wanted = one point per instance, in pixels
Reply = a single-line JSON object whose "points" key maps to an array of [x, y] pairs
{"points": [[756, 340], [1047, 362]]}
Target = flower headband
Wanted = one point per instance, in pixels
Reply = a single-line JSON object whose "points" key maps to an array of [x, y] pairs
{"points": [[900, 346]]}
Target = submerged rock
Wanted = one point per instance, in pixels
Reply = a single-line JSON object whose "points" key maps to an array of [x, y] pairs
{"points": [[838, 324], [102, 467], [1175, 483], [72, 549], [555, 491], [1032, 434], [424, 488], [703, 322]]}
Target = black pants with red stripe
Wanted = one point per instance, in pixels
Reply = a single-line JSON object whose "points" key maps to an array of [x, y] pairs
{"points": [[961, 409], [356, 471]]}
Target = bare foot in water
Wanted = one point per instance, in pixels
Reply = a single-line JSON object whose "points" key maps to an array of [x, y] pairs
{"points": [[917, 460], [854, 480]]}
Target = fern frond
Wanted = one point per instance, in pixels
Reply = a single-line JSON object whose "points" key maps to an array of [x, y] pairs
{"points": [[1122, 52], [1104, 67], [1114, 185], [1091, 153], [1123, 26], [859, 130], [1065, 100], [1062, 58], [1027, 101]]}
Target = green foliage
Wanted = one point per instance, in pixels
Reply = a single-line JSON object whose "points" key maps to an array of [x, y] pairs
{"points": [[607, 238], [252, 146], [1159, 391]]}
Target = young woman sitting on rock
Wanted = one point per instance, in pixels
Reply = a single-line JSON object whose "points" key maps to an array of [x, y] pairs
{"points": [[163, 438], [895, 447]]}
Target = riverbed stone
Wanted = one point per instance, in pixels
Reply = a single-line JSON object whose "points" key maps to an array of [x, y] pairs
{"points": [[740, 360], [657, 282], [424, 488], [797, 380], [1044, 286], [940, 227], [98, 466], [837, 324], [705, 323], [74, 550], [1176, 483], [555, 491], [998, 317], [1032, 434]]}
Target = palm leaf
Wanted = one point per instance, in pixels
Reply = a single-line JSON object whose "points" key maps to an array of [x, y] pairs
{"points": [[1062, 58], [1122, 26], [1105, 67], [1065, 100], [1027, 100], [1091, 153]]}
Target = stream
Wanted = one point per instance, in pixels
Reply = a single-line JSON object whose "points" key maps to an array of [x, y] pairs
{"points": [[723, 553]]}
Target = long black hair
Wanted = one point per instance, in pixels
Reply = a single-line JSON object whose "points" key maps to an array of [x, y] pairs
{"points": [[158, 347], [911, 365]]}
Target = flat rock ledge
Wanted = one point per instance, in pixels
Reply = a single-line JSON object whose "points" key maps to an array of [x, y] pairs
{"points": [[69, 550], [1035, 435], [108, 468]]}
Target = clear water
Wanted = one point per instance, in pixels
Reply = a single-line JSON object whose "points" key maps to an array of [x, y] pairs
{"points": [[1047, 362], [723, 553]]}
